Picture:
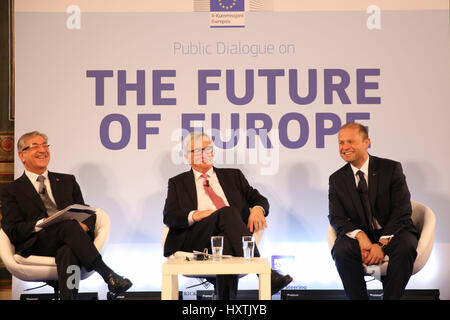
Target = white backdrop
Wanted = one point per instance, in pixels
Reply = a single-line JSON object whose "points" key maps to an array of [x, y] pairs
{"points": [[59, 91]]}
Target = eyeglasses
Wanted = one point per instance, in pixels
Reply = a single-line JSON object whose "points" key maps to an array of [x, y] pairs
{"points": [[198, 151], [35, 146]]}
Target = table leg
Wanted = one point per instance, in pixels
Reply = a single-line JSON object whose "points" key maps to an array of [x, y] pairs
{"points": [[264, 286], [169, 289]]}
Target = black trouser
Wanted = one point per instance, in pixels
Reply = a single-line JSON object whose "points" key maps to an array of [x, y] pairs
{"points": [[70, 245], [402, 253], [226, 222]]}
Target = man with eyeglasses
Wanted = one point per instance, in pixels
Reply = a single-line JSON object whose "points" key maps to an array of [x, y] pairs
{"points": [[207, 201], [26, 203]]}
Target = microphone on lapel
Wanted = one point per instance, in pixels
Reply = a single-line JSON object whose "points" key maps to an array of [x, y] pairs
{"points": [[207, 183]]}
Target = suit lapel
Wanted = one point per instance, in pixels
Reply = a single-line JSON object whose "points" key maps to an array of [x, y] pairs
{"points": [[189, 185], [226, 185], [56, 188], [373, 181], [28, 189]]}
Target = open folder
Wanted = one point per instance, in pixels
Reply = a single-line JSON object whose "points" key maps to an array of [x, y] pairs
{"points": [[77, 212]]}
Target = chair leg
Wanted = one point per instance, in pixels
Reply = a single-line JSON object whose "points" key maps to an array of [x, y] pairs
{"points": [[55, 286], [383, 281], [380, 295], [213, 281]]}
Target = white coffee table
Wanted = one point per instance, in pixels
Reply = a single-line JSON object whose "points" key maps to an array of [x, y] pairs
{"points": [[235, 265]]}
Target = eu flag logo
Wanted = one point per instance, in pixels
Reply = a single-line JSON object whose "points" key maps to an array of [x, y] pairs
{"points": [[227, 5]]}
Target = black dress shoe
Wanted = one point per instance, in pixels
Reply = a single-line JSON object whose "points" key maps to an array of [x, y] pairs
{"points": [[117, 284], [279, 281]]}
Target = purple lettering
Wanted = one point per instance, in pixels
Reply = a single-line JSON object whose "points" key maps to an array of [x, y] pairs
{"points": [[186, 119], [262, 132], [249, 88], [215, 125], [158, 87], [312, 87], [303, 132], [204, 86], [123, 87], [125, 129], [339, 87], [362, 86], [99, 76], [271, 75], [322, 131], [143, 130]]}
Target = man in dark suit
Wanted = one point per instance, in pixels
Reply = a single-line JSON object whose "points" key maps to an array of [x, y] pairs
{"points": [[35, 196], [370, 209], [233, 210]]}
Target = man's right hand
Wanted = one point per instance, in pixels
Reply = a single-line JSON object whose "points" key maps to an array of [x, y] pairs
{"points": [[201, 214], [364, 244]]}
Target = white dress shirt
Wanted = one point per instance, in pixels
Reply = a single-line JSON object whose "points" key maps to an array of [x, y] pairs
{"points": [[33, 178], [204, 202]]}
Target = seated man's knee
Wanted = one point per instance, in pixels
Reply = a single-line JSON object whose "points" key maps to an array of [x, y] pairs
{"points": [[229, 212], [345, 248], [70, 223], [404, 248], [69, 226]]}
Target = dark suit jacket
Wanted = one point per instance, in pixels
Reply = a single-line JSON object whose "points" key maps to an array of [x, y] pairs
{"points": [[388, 193], [22, 206], [182, 199]]}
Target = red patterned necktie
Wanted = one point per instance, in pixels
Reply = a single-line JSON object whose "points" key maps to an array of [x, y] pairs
{"points": [[217, 201]]}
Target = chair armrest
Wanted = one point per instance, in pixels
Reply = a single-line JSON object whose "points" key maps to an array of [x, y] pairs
{"points": [[102, 229]]}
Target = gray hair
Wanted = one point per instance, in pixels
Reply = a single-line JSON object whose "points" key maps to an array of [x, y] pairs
{"points": [[26, 136], [193, 136]]}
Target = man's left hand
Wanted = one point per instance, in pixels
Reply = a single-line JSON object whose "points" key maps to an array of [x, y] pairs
{"points": [[256, 220], [375, 256]]}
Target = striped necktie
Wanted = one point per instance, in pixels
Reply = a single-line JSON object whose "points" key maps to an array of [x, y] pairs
{"points": [[48, 203]]}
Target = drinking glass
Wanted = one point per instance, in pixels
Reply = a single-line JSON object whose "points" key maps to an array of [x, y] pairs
{"points": [[217, 247], [248, 246]]}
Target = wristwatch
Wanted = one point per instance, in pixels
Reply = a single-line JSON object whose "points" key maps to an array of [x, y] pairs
{"points": [[382, 246]]}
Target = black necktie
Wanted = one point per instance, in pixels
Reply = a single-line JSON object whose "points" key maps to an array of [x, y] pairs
{"points": [[364, 196], [48, 203]]}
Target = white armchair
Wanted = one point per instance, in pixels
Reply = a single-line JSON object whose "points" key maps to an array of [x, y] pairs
{"points": [[41, 268], [425, 222]]}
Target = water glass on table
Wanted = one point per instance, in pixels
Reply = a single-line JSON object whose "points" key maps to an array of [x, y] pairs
{"points": [[248, 246], [217, 247]]}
